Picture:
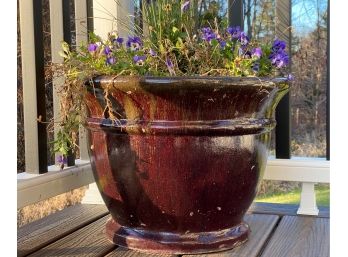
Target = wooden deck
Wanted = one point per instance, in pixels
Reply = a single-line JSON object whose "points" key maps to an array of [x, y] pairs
{"points": [[79, 231]]}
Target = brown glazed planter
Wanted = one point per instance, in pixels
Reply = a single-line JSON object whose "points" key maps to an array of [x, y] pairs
{"points": [[181, 165]]}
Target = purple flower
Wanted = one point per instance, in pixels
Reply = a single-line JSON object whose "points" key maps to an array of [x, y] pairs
{"points": [[185, 6], [169, 63], [107, 50], [234, 32], [134, 43], [208, 34], [255, 66], [222, 43], [279, 59], [118, 41], [256, 53], [110, 60], [243, 38], [61, 159], [139, 60], [290, 77], [278, 45], [170, 66], [152, 53], [92, 47], [247, 55]]}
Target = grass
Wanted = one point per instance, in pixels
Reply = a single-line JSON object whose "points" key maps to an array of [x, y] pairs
{"points": [[322, 194]]}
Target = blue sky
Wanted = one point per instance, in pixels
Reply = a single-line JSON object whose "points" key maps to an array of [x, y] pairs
{"points": [[304, 14]]}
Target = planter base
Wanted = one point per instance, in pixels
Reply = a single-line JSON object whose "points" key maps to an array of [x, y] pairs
{"points": [[176, 243]]}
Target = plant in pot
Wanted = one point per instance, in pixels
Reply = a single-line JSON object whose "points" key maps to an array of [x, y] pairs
{"points": [[179, 124]]}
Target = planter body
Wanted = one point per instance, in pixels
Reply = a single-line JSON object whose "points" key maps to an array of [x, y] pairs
{"points": [[180, 166]]}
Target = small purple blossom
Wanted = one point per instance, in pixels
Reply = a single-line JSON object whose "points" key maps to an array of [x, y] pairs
{"points": [[152, 52], [118, 41], [208, 34], [169, 63], [234, 32], [107, 50], [279, 59], [247, 55], [290, 77], [92, 47], [61, 159], [243, 38], [170, 66], [110, 60], [255, 66], [185, 6], [222, 44], [278, 45], [139, 60], [256, 53], [134, 43]]}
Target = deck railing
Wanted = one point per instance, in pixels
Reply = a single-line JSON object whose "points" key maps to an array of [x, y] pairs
{"points": [[41, 181]]}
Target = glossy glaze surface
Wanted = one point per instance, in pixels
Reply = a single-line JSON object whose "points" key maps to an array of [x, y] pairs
{"points": [[185, 157]]}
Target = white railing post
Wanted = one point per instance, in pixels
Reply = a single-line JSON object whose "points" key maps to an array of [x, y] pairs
{"points": [[111, 15], [308, 204], [29, 86], [81, 36], [57, 36]]}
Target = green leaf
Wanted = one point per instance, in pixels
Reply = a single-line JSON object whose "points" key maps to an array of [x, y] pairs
{"points": [[214, 42]]}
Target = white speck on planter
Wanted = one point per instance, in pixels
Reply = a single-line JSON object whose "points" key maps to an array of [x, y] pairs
{"points": [[222, 246], [191, 213], [252, 167], [197, 210], [92, 147], [143, 130], [187, 231], [163, 212], [143, 224], [218, 208], [129, 92], [131, 216], [211, 99]]}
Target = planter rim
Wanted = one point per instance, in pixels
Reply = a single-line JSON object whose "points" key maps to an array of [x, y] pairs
{"points": [[182, 80]]}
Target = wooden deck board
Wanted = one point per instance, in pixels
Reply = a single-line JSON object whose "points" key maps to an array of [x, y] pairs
{"points": [[123, 252], [261, 226], [38, 234], [300, 236], [79, 231], [87, 241]]}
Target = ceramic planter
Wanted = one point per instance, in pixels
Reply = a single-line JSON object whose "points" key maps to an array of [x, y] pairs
{"points": [[180, 166]]}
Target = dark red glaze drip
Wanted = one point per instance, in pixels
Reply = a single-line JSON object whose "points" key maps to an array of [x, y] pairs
{"points": [[178, 166]]}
